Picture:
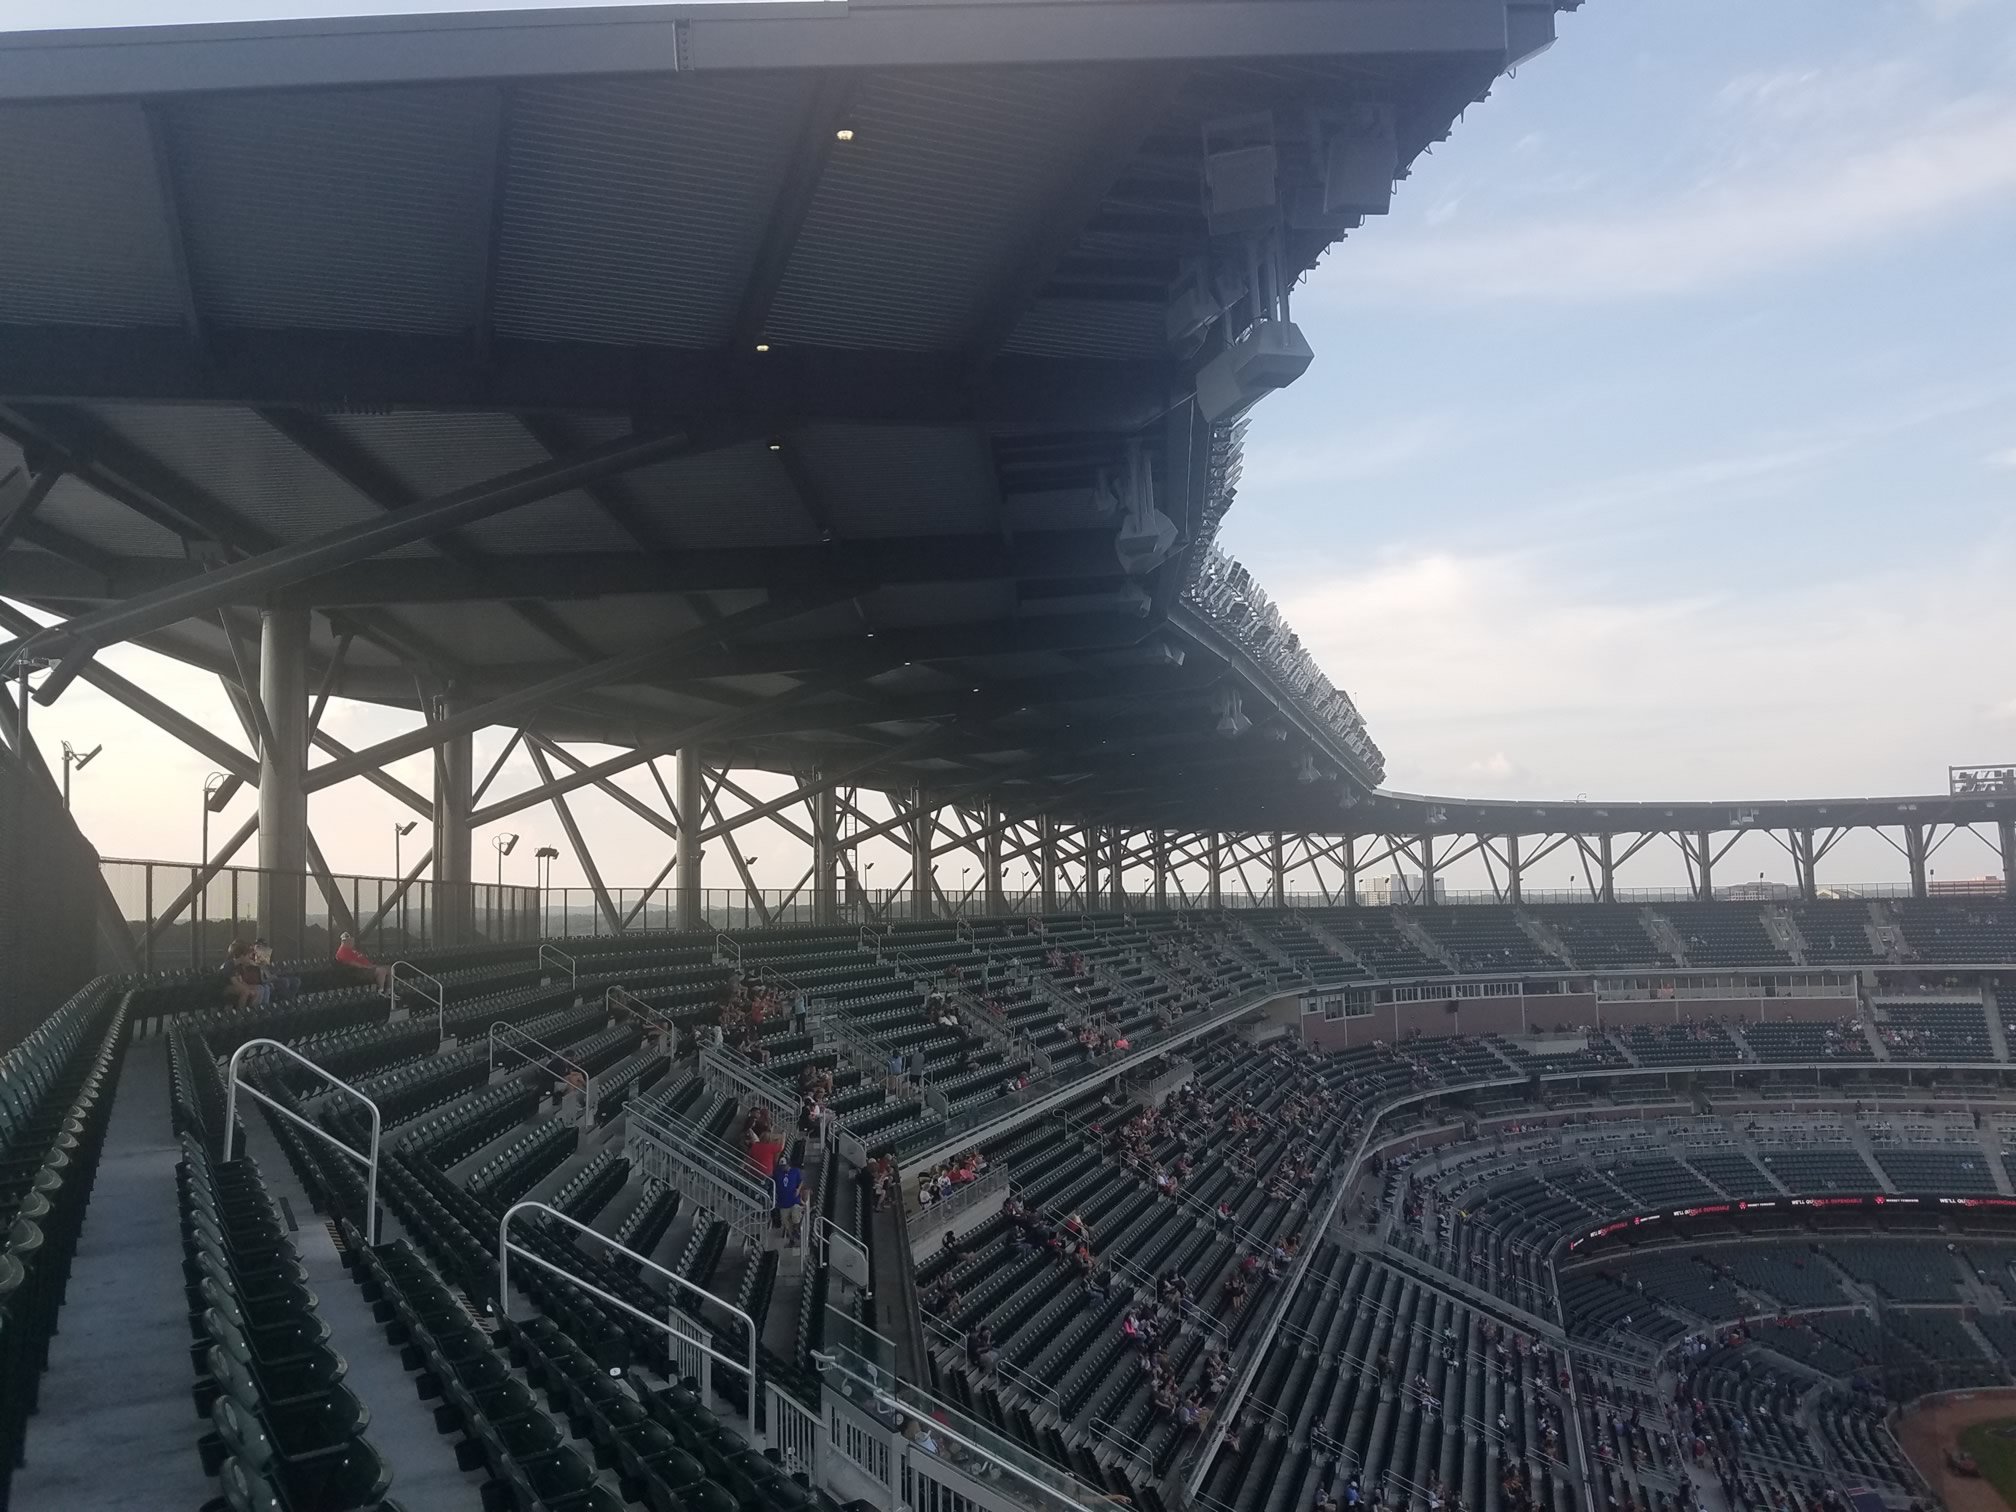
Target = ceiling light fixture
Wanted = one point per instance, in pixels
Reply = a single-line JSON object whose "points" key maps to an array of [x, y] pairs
{"points": [[844, 134]]}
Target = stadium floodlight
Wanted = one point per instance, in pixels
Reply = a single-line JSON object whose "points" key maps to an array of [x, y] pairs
{"points": [[73, 762]]}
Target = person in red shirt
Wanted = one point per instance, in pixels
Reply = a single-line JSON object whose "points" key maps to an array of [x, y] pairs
{"points": [[347, 954]]}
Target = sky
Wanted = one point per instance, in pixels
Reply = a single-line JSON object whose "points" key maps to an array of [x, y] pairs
{"points": [[1661, 442]]}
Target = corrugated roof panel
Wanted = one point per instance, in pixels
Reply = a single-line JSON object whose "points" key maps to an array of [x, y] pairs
{"points": [[635, 206], [478, 633], [901, 480], [1091, 328], [82, 236], [918, 220], [248, 466], [734, 496], [80, 510], [939, 604], [629, 621], [435, 453], [356, 208]]}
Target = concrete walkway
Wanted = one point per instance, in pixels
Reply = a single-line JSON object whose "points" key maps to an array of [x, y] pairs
{"points": [[117, 1425]]}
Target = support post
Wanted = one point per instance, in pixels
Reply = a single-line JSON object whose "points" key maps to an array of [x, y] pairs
{"points": [[283, 765], [825, 857], [2005, 830], [1805, 860], [920, 856], [454, 864], [990, 862], [1704, 874], [1161, 896], [1607, 867], [686, 854], [1088, 852], [1214, 858], [1426, 855], [1514, 872], [1277, 873], [1116, 867], [1347, 856], [1046, 862], [1915, 852]]}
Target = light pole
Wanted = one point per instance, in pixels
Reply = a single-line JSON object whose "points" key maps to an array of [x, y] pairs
{"points": [[542, 870], [74, 762], [217, 790], [503, 844], [400, 832]]}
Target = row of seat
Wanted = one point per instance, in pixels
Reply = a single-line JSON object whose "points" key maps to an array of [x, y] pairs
{"points": [[55, 1104]]}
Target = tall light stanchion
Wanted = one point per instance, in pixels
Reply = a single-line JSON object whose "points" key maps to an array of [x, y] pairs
{"points": [[503, 844], [400, 832], [199, 913], [542, 869], [74, 762]]}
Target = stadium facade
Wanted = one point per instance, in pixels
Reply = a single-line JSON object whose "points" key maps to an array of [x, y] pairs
{"points": [[852, 392]]}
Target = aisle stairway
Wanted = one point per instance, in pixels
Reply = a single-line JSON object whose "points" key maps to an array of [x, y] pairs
{"points": [[115, 1427]]}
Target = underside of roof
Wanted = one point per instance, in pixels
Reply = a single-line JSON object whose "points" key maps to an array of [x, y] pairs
{"points": [[915, 298]]}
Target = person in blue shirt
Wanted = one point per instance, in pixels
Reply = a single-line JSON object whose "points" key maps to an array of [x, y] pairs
{"points": [[787, 1180]]}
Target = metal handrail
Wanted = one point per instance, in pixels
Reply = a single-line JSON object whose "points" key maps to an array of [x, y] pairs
{"points": [[614, 997], [719, 1161], [587, 1076], [506, 1249], [870, 939], [370, 1161], [415, 976], [566, 960], [726, 944]]}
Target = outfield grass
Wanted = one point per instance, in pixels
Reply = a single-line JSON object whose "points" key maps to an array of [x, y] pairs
{"points": [[1993, 1445]]}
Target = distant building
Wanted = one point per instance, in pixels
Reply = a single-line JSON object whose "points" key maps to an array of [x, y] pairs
{"points": [[1965, 887]]}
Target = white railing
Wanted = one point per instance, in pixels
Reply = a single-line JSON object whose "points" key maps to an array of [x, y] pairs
{"points": [[506, 1249], [994, 1184], [870, 939], [727, 948], [420, 982], [515, 1041], [370, 1161], [614, 998], [560, 958]]}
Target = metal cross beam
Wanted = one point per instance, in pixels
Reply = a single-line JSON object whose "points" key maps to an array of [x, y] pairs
{"points": [[76, 640]]}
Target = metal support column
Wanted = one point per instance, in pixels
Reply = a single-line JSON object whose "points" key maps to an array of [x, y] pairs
{"points": [[1805, 861], [1347, 857], [1915, 852], [1704, 870], [1046, 862], [825, 857], [1277, 873], [1215, 859], [1088, 852], [990, 862], [686, 775], [1161, 898], [1607, 867], [1514, 872], [283, 766], [454, 865], [2005, 830], [919, 831], [1116, 867], [1426, 856]]}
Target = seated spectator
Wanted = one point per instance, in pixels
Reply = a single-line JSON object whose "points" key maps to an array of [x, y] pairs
{"points": [[283, 989], [360, 966], [242, 985]]}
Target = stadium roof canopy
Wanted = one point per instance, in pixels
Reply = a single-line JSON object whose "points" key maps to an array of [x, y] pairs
{"points": [[784, 378]]}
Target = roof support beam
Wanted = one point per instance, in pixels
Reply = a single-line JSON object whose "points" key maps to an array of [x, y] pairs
{"points": [[582, 854], [21, 494], [78, 639], [539, 743], [746, 392], [168, 184], [197, 737], [825, 112], [597, 674]]}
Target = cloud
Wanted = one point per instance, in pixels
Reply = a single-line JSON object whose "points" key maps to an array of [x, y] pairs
{"points": [[2005, 458], [1799, 182], [1647, 690]]}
